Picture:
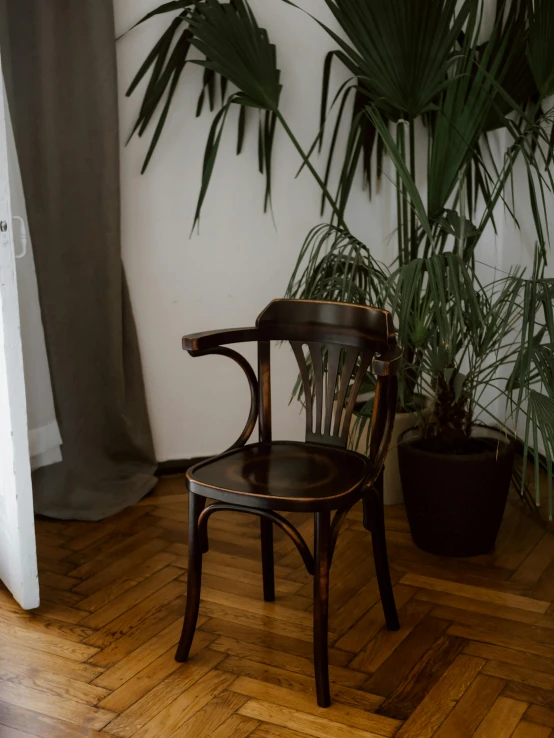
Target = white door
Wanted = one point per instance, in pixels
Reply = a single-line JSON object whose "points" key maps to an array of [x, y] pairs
{"points": [[18, 557]]}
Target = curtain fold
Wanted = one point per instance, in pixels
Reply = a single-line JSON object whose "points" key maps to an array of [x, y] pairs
{"points": [[60, 68]]}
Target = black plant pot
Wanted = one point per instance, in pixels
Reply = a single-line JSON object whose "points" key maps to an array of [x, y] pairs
{"points": [[455, 503]]}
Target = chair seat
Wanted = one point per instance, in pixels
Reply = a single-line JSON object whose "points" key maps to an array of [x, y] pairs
{"points": [[283, 476]]}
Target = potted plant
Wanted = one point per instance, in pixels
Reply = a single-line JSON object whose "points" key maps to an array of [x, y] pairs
{"points": [[456, 472], [421, 76]]}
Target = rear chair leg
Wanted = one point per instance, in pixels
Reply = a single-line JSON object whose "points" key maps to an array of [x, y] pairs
{"points": [[321, 606], [374, 520], [194, 579], [268, 568]]}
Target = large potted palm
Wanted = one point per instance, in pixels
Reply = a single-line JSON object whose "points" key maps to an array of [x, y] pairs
{"points": [[421, 75], [491, 350]]}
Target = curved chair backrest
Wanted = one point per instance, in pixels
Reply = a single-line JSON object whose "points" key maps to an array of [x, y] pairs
{"points": [[335, 344]]}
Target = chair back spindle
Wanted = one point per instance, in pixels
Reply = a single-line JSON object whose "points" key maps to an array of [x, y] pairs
{"points": [[334, 345]]}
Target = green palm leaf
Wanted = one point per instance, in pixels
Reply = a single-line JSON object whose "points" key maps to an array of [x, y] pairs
{"points": [[400, 50], [238, 50], [540, 49], [462, 113]]}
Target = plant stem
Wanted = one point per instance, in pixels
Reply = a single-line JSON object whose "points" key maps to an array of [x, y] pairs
{"points": [[316, 176], [404, 195], [401, 255], [413, 226]]}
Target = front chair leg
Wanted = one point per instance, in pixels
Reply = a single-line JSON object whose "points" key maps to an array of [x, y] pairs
{"points": [[374, 520], [194, 578], [268, 567], [322, 544]]}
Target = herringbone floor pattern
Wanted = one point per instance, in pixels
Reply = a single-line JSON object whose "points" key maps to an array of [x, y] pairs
{"points": [[474, 656]]}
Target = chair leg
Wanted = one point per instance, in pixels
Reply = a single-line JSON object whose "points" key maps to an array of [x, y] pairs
{"points": [[321, 606], [194, 580], [268, 568], [374, 519]]}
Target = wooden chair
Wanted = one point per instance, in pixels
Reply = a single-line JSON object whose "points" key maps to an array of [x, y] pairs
{"points": [[319, 476]]}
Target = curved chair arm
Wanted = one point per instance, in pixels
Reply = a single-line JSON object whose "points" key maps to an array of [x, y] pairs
{"points": [[252, 382], [388, 363], [211, 339]]}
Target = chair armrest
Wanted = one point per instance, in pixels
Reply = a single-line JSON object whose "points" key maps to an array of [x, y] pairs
{"points": [[212, 339], [210, 344], [388, 363]]}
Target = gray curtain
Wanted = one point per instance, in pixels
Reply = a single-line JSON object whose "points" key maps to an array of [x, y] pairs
{"points": [[59, 63]]}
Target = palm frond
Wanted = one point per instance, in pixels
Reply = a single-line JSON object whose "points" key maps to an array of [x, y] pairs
{"points": [[399, 50], [540, 50], [240, 51], [333, 265], [462, 113]]}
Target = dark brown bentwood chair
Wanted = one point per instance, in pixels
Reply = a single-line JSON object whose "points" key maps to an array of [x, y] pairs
{"points": [[319, 476]]}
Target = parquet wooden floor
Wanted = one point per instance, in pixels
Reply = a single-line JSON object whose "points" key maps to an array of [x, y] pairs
{"points": [[474, 655]]}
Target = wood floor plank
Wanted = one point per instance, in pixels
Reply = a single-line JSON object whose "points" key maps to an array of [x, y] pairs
{"points": [[265, 623], [56, 665], [39, 725], [510, 656], [513, 673], [441, 699], [132, 597], [12, 634], [119, 586], [205, 722], [145, 709], [411, 690], [354, 608], [372, 621], [267, 730], [44, 680], [237, 726], [96, 558], [345, 714], [507, 599], [415, 647], [256, 607], [283, 586], [472, 708], [301, 721], [486, 608], [6, 732], [54, 706], [272, 640], [140, 634], [125, 622], [187, 704], [141, 657], [502, 719], [33, 622], [544, 588], [533, 566], [296, 682], [304, 666], [540, 715], [380, 648], [499, 638], [93, 533], [531, 730], [153, 674], [533, 695]]}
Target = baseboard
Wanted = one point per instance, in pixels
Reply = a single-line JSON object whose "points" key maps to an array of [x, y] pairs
{"points": [[176, 466]]}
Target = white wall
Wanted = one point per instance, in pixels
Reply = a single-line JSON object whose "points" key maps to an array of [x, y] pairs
{"points": [[240, 261], [224, 276]]}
